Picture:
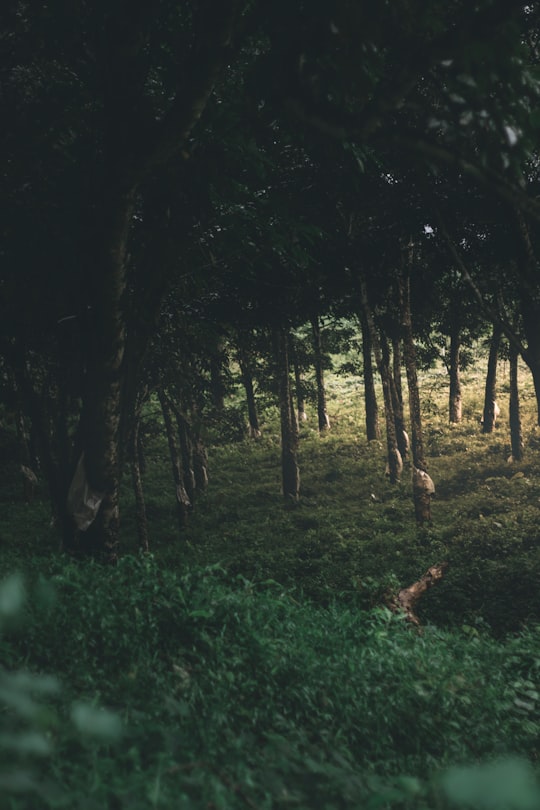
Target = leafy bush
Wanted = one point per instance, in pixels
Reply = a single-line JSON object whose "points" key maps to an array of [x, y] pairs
{"points": [[235, 693]]}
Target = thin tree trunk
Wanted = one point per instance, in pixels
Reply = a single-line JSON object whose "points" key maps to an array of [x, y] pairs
{"points": [[455, 399], [290, 471], [186, 447], [490, 399], [395, 461], [423, 488], [516, 437], [217, 385], [530, 310], [183, 504], [373, 430], [402, 437], [138, 491], [301, 415], [247, 381], [322, 415], [396, 368]]}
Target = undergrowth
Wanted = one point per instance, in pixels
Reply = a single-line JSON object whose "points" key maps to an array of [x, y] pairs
{"points": [[228, 693], [250, 662]]}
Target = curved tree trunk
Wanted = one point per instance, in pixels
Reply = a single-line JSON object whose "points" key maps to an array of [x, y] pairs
{"points": [[491, 409], [373, 430], [395, 461], [322, 415], [516, 437], [290, 471]]}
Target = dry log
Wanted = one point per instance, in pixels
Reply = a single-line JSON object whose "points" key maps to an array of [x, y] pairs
{"points": [[407, 598]]}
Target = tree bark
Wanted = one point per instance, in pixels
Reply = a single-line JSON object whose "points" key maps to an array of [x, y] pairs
{"points": [[217, 385], [301, 415], [290, 471], [138, 490], [455, 398], [373, 430], [183, 503], [402, 436], [322, 414], [408, 597], [490, 397], [395, 461], [247, 381], [186, 449], [516, 437], [423, 488]]}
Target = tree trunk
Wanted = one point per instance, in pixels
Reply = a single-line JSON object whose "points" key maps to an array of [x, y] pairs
{"points": [[289, 436], [217, 386], [247, 381], [516, 437], [186, 449], [402, 436], [455, 398], [423, 488], [301, 415], [105, 373], [395, 462], [530, 310], [373, 430], [183, 504], [491, 409], [322, 415], [138, 491], [396, 367]]}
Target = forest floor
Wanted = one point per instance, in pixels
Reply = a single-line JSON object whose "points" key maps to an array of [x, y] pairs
{"points": [[250, 661], [352, 532]]}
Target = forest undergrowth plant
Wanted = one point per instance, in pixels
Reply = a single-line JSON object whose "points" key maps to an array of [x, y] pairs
{"points": [[234, 692]]}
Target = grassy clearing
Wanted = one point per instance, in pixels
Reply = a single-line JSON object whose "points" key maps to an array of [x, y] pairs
{"points": [[352, 533]]}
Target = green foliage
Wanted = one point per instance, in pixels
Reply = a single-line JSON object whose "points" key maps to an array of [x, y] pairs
{"points": [[233, 692]]}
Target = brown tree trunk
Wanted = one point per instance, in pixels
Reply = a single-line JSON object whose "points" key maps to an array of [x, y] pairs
{"points": [[290, 470], [322, 415], [103, 395], [138, 491], [530, 309], [301, 415], [408, 597], [396, 368], [516, 437], [455, 398], [217, 385], [395, 461], [183, 504], [186, 449], [373, 430], [490, 397], [423, 488], [402, 436], [247, 381]]}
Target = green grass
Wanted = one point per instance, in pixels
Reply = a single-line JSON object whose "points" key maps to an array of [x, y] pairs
{"points": [[228, 694], [250, 662]]}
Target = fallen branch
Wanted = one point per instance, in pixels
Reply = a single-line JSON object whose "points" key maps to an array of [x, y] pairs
{"points": [[407, 598]]}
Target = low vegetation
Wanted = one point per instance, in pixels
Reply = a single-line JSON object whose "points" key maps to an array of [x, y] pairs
{"points": [[252, 662]]}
